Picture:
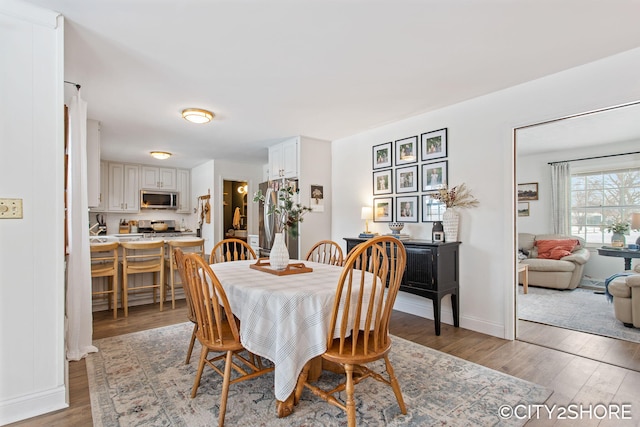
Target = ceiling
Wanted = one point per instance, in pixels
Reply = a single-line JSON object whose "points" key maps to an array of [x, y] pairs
{"points": [[320, 68]]}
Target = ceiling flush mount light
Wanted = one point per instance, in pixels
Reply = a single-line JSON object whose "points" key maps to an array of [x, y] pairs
{"points": [[160, 155], [197, 115]]}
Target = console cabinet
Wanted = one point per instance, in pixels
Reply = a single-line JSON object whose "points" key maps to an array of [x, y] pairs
{"points": [[432, 272]]}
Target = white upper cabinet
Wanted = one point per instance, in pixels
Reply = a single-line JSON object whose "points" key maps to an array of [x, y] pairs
{"points": [[283, 160], [184, 193], [94, 194], [124, 189], [153, 178], [104, 188]]}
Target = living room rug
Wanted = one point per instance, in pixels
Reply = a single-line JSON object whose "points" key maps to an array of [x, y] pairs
{"points": [[579, 309], [140, 379]]}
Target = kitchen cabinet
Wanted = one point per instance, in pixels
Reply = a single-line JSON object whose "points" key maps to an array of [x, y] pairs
{"points": [[183, 181], [432, 272], [152, 178], [93, 164], [124, 188], [104, 189], [283, 160]]}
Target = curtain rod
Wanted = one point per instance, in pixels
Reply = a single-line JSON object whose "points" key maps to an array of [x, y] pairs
{"points": [[75, 84], [596, 157]]}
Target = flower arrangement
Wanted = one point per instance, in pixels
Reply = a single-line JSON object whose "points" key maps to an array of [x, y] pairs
{"points": [[456, 197], [286, 212], [618, 227]]}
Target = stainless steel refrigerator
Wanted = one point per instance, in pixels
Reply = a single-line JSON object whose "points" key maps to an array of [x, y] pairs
{"points": [[266, 222]]}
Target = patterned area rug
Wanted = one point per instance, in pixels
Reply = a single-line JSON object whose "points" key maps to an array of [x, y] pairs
{"points": [[140, 379], [578, 309]]}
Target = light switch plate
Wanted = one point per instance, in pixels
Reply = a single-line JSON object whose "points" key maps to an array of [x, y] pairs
{"points": [[10, 208]]}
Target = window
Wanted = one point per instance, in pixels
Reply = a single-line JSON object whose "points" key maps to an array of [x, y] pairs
{"points": [[601, 197]]}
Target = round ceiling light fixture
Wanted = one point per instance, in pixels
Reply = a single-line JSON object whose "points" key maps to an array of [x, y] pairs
{"points": [[160, 155], [197, 115]]}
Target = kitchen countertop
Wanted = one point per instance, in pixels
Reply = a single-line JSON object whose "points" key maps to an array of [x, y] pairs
{"points": [[132, 237]]}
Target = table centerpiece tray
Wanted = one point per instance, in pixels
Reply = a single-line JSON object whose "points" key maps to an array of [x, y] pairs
{"points": [[294, 268]]}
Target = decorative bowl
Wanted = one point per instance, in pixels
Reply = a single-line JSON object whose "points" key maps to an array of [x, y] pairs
{"points": [[396, 227]]}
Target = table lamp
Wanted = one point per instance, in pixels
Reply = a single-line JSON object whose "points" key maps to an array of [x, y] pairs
{"points": [[366, 214], [635, 224]]}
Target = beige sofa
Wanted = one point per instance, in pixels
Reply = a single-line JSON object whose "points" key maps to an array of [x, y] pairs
{"points": [[626, 298], [563, 273]]}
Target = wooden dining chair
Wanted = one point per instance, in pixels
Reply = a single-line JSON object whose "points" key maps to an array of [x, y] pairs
{"points": [[326, 252], [362, 332], [179, 258], [190, 245], [142, 257], [231, 250], [218, 331], [104, 263]]}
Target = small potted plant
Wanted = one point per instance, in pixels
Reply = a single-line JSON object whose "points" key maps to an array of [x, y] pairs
{"points": [[619, 229]]}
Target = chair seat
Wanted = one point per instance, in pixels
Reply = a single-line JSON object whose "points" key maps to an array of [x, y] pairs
{"points": [[359, 356], [97, 269], [143, 265]]}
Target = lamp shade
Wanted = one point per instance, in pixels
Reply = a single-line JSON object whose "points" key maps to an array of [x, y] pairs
{"points": [[366, 213], [635, 221]]}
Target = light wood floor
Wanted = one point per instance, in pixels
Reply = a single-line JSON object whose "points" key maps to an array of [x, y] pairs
{"points": [[585, 372]]}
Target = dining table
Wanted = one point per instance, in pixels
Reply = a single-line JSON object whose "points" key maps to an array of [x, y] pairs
{"points": [[283, 318]]}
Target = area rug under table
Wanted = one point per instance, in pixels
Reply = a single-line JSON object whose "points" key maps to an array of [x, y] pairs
{"points": [[140, 379], [578, 309]]}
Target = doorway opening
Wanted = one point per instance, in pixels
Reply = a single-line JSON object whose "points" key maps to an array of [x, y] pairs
{"points": [[234, 208]]}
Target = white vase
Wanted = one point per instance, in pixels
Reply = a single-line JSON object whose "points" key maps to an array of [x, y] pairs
{"points": [[450, 220], [279, 255]]}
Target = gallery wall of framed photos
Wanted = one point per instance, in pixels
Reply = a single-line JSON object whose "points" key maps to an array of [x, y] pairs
{"points": [[406, 172]]}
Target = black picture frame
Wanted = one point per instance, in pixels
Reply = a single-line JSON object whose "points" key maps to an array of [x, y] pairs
{"points": [[383, 182], [433, 145], [407, 209], [383, 209], [432, 209], [382, 156], [434, 175], [407, 179], [407, 151]]}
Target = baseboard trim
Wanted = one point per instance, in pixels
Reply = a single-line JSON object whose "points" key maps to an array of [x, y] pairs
{"points": [[423, 307], [32, 405]]}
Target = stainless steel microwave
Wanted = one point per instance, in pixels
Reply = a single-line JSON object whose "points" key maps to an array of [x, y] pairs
{"points": [[158, 200]]}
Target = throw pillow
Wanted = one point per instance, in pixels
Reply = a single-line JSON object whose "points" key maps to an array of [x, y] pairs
{"points": [[555, 249]]}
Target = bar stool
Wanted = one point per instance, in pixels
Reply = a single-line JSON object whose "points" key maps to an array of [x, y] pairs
{"points": [[104, 263], [187, 246], [142, 257]]}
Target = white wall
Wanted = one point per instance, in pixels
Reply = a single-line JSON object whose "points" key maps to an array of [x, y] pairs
{"points": [[202, 183], [32, 360], [481, 154], [535, 168]]}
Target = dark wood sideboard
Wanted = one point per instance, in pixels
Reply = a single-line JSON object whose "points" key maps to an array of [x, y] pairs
{"points": [[431, 272]]}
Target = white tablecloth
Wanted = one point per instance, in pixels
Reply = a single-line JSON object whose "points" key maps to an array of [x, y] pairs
{"points": [[282, 318]]}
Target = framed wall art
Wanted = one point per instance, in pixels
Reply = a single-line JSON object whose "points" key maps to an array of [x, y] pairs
{"points": [[434, 175], [407, 179], [523, 208], [432, 209], [407, 150], [528, 191], [407, 209], [433, 145], [382, 156], [383, 209], [382, 182]]}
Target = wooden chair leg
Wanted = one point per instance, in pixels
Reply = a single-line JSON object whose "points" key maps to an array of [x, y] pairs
{"points": [[351, 403], [225, 388], [114, 288], [196, 383], [172, 280], [395, 385], [193, 341], [125, 294]]}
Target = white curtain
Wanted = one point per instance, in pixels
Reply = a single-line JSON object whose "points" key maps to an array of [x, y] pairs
{"points": [[561, 197], [78, 311]]}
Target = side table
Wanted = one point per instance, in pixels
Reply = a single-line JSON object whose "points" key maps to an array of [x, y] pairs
{"points": [[524, 269]]}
